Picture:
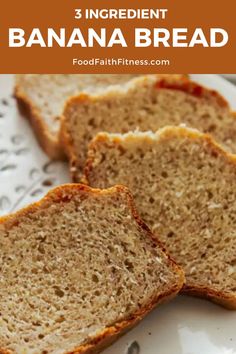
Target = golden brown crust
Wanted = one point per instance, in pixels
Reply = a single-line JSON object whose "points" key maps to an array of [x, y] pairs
{"points": [[173, 82], [228, 301], [63, 194], [50, 143], [221, 298], [194, 89], [111, 334], [65, 137]]}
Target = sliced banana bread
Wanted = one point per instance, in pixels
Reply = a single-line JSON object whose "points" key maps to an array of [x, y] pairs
{"points": [[42, 98], [184, 185], [77, 270], [145, 104]]}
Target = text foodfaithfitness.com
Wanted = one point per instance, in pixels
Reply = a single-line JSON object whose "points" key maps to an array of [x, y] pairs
{"points": [[120, 62]]}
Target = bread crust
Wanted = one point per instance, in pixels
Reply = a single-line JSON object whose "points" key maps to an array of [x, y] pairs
{"points": [[64, 193], [180, 83], [65, 136], [219, 297], [111, 334], [50, 143], [194, 89]]}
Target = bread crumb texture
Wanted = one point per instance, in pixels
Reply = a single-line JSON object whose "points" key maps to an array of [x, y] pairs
{"points": [[48, 93], [148, 104], [73, 265], [184, 186]]}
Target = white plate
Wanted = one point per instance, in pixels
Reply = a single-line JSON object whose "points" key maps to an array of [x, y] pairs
{"points": [[184, 326], [231, 77]]}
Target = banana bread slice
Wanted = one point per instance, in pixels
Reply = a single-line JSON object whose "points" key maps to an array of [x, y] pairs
{"points": [[184, 186], [145, 104], [42, 98], [77, 270]]}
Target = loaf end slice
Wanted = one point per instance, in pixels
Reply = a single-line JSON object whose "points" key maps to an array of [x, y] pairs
{"points": [[42, 97], [78, 269], [47, 139], [184, 186]]}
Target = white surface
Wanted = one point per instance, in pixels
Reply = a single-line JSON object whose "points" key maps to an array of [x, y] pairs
{"points": [[227, 89], [25, 171], [184, 326]]}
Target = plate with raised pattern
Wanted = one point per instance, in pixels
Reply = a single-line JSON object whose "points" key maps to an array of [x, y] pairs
{"points": [[184, 326]]}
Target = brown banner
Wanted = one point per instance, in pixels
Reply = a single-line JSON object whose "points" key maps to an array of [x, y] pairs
{"points": [[169, 37]]}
